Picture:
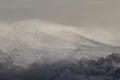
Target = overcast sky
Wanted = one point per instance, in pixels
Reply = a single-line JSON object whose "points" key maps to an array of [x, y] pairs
{"points": [[69, 12], [100, 16]]}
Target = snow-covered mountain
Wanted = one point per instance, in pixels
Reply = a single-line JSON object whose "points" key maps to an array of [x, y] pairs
{"points": [[37, 34], [44, 43]]}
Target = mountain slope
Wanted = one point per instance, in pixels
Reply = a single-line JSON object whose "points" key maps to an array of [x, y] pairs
{"points": [[79, 40]]}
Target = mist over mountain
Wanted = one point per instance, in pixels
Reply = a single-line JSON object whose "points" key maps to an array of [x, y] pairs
{"points": [[33, 40], [48, 51], [37, 34], [59, 40], [29, 30]]}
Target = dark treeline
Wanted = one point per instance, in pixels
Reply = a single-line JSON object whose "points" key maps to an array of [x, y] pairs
{"points": [[104, 68]]}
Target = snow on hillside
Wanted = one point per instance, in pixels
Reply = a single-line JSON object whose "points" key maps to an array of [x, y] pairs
{"points": [[31, 41]]}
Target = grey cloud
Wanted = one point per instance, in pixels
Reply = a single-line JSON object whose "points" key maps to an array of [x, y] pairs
{"points": [[68, 12]]}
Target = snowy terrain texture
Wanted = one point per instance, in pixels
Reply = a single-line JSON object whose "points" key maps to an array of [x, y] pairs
{"points": [[35, 50]]}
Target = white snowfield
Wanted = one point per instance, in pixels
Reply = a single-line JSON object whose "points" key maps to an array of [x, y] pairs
{"points": [[30, 41]]}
